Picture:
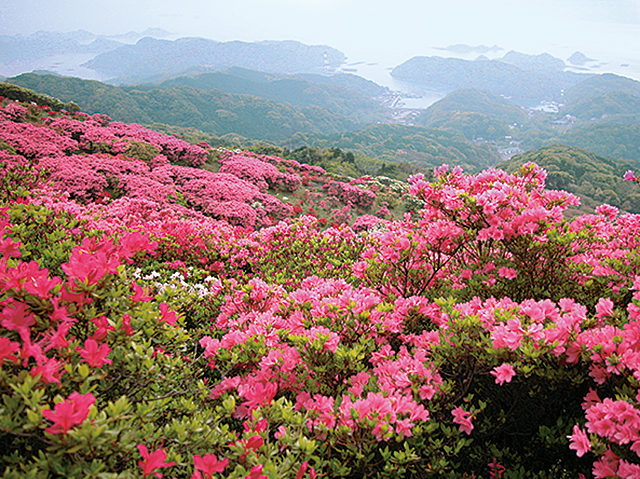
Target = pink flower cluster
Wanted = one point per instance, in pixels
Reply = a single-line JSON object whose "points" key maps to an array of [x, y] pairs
{"points": [[482, 232], [99, 134], [289, 345], [264, 174], [86, 160], [351, 194]]}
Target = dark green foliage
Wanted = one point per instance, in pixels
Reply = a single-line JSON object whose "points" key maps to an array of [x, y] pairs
{"points": [[142, 151], [284, 89], [606, 139], [595, 179], [477, 101], [14, 92], [333, 160], [521, 425], [212, 111], [422, 147]]}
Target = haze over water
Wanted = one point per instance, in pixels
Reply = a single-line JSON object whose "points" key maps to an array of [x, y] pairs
{"points": [[375, 35]]}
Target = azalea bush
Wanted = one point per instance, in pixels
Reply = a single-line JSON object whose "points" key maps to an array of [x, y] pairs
{"points": [[159, 318]]}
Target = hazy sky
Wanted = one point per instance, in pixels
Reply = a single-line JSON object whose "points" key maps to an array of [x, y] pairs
{"points": [[390, 31]]}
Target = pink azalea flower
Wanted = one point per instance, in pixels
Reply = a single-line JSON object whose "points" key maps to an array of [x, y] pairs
{"points": [[69, 413], [7, 350], [18, 317], [507, 273], [503, 373], [256, 473], [95, 356], [168, 317], [604, 307], [49, 371], [153, 461], [254, 442], [209, 464], [579, 441], [139, 294], [303, 469], [463, 419], [126, 324]]}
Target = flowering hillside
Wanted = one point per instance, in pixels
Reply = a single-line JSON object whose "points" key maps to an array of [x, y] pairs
{"points": [[166, 311]]}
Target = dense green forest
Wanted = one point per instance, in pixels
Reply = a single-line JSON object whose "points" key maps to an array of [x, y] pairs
{"points": [[212, 111], [419, 146], [615, 106], [295, 91], [477, 101], [596, 180], [474, 113], [606, 139]]}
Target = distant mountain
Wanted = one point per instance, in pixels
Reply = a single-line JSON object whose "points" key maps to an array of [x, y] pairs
{"points": [[295, 91], [612, 106], [478, 101], [212, 111], [543, 62], [474, 113], [419, 146], [580, 59], [44, 44], [597, 85], [63, 53], [595, 179], [526, 79], [613, 140], [149, 58], [92, 96], [347, 80], [606, 98], [473, 125]]}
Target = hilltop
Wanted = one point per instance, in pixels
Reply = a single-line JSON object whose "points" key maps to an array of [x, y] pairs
{"points": [[210, 110], [423, 147], [153, 59], [149, 56], [474, 113], [525, 79], [595, 179]]}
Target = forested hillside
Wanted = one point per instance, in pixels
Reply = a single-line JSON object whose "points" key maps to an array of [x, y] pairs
{"points": [[423, 147], [295, 91], [596, 180], [212, 111], [474, 113], [612, 140]]}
